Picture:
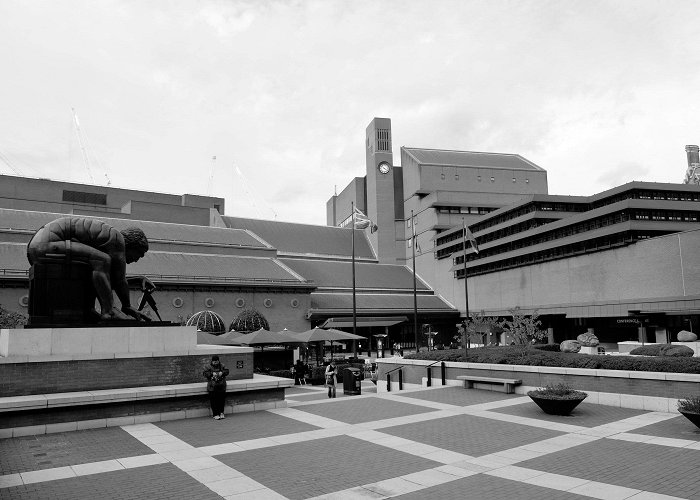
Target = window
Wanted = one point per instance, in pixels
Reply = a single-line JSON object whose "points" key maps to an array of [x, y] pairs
{"points": [[82, 197]]}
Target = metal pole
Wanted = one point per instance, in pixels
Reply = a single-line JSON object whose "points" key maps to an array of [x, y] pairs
{"points": [[354, 304], [466, 290], [415, 297]]}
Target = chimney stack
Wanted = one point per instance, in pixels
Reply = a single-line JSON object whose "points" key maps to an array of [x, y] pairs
{"points": [[692, 152]]}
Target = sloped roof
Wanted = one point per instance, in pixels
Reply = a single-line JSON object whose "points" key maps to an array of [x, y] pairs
{"points": [[367, 275], [377, 303], [470, 159], [181, 267], [163, 231], [305, 239]]}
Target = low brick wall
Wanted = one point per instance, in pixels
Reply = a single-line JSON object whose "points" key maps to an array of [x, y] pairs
{"points": [[49, 377], [642, 390], [99, 415]]}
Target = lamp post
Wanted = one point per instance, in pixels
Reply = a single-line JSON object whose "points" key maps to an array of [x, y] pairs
{"points": [[415, 296], [354, 304], [466, 290]]}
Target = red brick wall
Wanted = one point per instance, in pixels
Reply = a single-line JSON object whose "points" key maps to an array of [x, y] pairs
{"points": [[20, 379]]}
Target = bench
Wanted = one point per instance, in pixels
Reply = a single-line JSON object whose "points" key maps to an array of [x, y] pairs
{"points": [[508, 383]]}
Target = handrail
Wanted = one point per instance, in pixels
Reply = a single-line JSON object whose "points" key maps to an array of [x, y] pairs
{"points": [[434, 363], [398, 368]]}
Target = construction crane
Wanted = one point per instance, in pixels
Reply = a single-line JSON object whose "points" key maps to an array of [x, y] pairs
{"points": [[85, 147], [251, 198]]}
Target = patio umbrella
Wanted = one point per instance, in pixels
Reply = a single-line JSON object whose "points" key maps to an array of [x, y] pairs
{"points": [[224, 339], [260, 338], [332, 335]]}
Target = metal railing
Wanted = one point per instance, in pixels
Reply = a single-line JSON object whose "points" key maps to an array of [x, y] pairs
{"points": [[388, 378], [430, 372]]}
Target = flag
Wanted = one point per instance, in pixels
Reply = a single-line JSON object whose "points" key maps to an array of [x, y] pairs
{"points": [[472, 240], [361, 221], [413, 235]]}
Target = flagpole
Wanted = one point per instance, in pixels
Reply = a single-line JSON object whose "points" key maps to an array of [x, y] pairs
{"points": [[466, 290], [354, 305], [415, 298]]}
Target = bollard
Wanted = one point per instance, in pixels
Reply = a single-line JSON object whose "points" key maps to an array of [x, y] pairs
{"points": [[443, 372], [430, 377], [388, 382], [400, 380]]}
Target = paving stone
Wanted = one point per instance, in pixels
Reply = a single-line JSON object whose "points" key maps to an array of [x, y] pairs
{"points": [[489, 488], [48, 451], [235, 427], [157, 482], [355, 411], [585, 415], [459, 396], [657, 469], [322, 466], [676, 428], [470, 435]]}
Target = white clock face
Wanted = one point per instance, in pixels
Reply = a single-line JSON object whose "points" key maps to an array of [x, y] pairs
{"points": [[384, 167]]}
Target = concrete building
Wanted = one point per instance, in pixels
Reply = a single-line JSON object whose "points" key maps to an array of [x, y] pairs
{"points": [[620, 263], [297, 275]]}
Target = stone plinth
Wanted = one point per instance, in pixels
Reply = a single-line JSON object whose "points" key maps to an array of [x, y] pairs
{"points": [[101, 342], [588, 350]]}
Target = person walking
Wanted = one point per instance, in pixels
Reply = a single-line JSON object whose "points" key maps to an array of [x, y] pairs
{"points": [[216, 374], [331, 380], [299, 372]]}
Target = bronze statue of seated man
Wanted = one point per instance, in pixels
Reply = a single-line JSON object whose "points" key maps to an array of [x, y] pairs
{"points": [[107, 251]]}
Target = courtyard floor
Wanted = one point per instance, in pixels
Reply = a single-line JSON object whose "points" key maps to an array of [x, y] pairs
{"points": [[438, 443]]}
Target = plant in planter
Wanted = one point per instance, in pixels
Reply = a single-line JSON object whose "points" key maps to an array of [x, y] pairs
{"points": [[690, 409], [559, 399]]}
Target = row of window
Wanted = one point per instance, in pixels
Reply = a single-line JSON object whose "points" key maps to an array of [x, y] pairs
{"points": [[582, 227], [465, 210], [633, 194], [588, 246]]}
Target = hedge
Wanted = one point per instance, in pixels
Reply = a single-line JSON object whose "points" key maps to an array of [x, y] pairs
{"points": [[518, 355], [679, 351]]}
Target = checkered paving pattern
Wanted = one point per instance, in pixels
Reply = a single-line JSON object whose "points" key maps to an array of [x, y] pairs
{"points": [[355, 411], [67, 448], [460, 397], [676, 428], [304, 470], [585, 414], [439, 443], [642, 466], [157, 482], [470, 435], [489, 488], [239, 427]]}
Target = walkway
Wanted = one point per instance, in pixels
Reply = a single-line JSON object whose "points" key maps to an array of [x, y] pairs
{"points": [[434, 443]]}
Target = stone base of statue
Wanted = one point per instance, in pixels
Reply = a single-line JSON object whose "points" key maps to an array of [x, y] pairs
{"points": [[61, 379], [61, 292]]}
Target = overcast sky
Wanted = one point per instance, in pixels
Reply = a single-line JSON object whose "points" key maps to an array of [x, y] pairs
{"points": [[596, 93]]}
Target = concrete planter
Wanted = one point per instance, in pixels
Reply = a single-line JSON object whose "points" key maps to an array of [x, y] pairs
{"points": [[557, 406]]}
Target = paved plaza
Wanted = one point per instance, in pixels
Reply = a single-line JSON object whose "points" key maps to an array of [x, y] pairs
{"points": [[442, 443]]}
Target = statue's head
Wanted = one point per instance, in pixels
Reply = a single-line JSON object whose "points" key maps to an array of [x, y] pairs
{"points": [[135, 242]]}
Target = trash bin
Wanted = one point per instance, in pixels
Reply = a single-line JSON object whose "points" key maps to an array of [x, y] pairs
{"points": [[352, 381]]}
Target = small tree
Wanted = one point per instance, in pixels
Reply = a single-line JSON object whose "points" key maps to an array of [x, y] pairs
{"points": [[478, 328], [11, 319], [523, 329]]}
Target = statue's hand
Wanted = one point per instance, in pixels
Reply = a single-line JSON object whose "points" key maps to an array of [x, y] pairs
{"points": [[135, 314]]}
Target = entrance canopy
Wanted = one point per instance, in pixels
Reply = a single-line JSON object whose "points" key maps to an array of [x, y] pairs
{"points": [[346, 322]]}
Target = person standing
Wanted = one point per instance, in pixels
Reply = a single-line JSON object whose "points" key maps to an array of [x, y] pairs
{"points": [[299, 372], [216, 374], [331, 380]]}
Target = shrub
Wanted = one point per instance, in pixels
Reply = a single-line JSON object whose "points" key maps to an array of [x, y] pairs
{"points": [[11, 319], [547, 347], [512, 355], [691, 404], [281, 373], [678, 351], [557, 391]]}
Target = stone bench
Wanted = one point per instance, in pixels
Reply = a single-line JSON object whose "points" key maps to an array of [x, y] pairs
{"points": [[80, 409], [508, 384]]}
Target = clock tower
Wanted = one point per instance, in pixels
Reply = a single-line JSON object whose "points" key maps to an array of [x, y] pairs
{"points": [[380, 188]]}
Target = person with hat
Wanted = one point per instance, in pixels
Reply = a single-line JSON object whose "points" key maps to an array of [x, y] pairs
{"points": [[216, 374]]}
